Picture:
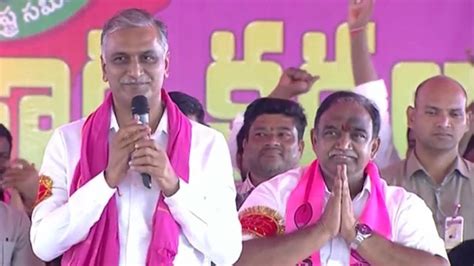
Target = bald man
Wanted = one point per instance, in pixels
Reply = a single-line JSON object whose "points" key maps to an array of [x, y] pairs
{"points": [[434, 169]]}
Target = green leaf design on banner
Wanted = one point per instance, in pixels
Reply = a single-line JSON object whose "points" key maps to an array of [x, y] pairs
{"points": [[23, 18]]}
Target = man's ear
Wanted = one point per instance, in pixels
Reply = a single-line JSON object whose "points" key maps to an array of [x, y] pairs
{"points": [[314, 139], [167, 64], [301, 147], [470, 121], [375, 145], [410, 116], [104, 72]]}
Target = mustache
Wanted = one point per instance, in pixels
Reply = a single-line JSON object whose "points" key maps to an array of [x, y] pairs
{"points": [[348, 153], [262, 151], [443, 132], [133, 81]]}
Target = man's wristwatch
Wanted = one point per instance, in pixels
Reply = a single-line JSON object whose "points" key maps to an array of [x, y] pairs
{"points": [[363, 232]]}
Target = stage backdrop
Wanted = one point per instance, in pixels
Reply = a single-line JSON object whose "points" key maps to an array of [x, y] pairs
{"points": [[224, 52]]}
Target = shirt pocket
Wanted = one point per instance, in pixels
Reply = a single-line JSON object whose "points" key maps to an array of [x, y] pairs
{"points": [[6, 252]]}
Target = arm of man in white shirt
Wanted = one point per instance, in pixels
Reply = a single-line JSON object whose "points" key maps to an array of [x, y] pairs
{"points": [[376, 91], [369, 85], [61, 221], [290, 248], [207, 214]]}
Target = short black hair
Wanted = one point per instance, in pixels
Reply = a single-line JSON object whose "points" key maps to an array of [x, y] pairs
{"points": [[268, 105], [188, 105], [363, 101], [240, 139], [4, 132]]}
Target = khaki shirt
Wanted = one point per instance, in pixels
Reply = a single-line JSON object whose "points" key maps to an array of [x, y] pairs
{"points": [[15, 246], [442, 199]]}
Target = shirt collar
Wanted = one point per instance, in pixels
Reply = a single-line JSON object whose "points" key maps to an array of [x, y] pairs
{"points": [[464, 167], [113, 121], [246, 186], [162, 126], [367, 184], [248, 181], [461, 165]]}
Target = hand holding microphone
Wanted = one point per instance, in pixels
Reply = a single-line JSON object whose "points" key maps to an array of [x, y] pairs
{"points": [[148, 159], [140, 111], [121, 145]]}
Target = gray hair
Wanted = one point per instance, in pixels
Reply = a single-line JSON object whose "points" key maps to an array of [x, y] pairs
{"points": [[135, 17]]}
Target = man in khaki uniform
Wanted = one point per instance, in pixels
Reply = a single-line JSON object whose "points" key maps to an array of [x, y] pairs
{"points": [[434, 170], [15, 243]]}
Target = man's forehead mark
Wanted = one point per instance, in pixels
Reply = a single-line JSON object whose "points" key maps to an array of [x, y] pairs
{"points": [[353, 123]]}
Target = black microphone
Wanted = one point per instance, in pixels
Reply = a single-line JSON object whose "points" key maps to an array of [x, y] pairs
{"points": [[140, 108]]}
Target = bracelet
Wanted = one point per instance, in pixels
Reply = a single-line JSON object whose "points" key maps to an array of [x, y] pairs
{"points": [[356, 30]]}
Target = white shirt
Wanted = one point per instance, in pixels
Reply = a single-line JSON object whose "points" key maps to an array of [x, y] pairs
{"points": [[204, 207], [410, 218], [376, 91]]}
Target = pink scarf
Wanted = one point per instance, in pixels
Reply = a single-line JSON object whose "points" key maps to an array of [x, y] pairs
{"points": [[306, 202], [6, 196], [101, 247]]}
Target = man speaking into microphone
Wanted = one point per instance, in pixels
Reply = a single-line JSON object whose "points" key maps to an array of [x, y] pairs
{"points": [[117, 191]]}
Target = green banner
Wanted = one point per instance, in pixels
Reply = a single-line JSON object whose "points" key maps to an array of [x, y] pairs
{"points": [[23, 18]]}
